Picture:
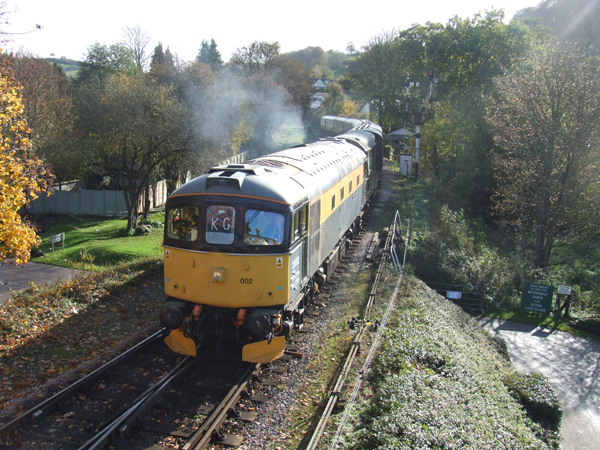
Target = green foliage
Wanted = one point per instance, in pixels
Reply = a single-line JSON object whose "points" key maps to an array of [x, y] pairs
{"points": [[440, 385], [103, 61], [545, 121], [534, 392], [453, 253], [336, 60], [209, 54], [312, 57], [501, 346], [85, 256], [560, 16], [337, 102], [257, 57], [148, 125]]}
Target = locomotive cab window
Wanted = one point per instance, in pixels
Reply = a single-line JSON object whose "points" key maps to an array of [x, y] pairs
{"points": [[220, 224], [263, 227], [182, 223]]}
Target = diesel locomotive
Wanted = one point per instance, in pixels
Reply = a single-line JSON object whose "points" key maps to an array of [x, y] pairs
{"points": [[247, 246]]}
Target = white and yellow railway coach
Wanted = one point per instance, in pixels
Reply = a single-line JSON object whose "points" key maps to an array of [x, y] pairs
{"points": [[246, 246]]}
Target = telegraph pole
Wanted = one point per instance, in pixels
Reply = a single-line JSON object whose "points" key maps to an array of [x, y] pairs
{"points": [[417, 114]]}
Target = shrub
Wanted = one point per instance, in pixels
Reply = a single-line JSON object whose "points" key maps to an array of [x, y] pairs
{"points": [[501, 346], [455, 254], [534, 392], [85, 256], [151, 222]]}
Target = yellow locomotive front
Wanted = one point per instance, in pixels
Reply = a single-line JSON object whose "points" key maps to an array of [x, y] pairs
{"points": [[227, 279], [227, 270]]}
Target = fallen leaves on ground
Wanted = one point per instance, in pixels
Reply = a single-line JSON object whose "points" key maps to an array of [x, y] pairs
{"points": [[45, 332]]}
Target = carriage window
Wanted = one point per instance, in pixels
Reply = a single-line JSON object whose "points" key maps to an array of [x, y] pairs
{"points": [[358, 180], [220, 224], [350, 187], [263, 227], [342, 195], [182, 223], [333, 203]]}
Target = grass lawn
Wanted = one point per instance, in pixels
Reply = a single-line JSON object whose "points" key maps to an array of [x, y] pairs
{"points": [[93, 242]]}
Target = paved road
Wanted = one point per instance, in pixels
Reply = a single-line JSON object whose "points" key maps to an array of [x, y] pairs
{"points": [[571, 363], [16, 278]]}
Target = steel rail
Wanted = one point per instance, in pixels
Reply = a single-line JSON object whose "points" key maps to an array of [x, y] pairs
{"points": [[371, 355], [203, 436], [123, 422], [336, 392], [40, 411]]}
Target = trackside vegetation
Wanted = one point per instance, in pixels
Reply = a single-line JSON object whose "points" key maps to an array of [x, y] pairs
{"points": [[441, 382], [68, 328]]}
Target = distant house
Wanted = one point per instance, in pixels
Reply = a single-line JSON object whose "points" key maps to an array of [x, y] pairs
{"points": [[319, 85]]}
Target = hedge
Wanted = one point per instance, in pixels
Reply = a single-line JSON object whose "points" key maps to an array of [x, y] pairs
{"points": [[440, 384]]}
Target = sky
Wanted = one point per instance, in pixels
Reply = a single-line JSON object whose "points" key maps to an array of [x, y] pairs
{"points": [[68, 27]]}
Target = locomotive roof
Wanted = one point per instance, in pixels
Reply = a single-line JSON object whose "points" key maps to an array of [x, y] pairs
{"points": [[360, 138], [286, 176]]}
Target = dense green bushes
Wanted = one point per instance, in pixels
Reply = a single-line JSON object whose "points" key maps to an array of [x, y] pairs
{"points": [[452, 253], [440, 384], [456, 252]]}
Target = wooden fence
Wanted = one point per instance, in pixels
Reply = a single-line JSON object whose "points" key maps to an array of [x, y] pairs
{"points": [[93, 202]]}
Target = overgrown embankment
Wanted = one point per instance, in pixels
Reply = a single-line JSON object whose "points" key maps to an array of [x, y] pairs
{"points": [[440, 381]]}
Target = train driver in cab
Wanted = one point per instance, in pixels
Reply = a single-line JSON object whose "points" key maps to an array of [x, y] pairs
{"points": [[275, 228], [264, 228]]}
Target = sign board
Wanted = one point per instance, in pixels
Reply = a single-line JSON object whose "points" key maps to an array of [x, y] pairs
{"points": [[537, 298], [455, 295], [57, 238], [564, 289], [406, 165]]}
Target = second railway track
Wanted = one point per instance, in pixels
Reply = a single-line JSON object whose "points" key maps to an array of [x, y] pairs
{"points": [[146, 398]]}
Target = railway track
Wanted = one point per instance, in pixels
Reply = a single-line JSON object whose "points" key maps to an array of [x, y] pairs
{"points": [[362, 326], [147, 398]]}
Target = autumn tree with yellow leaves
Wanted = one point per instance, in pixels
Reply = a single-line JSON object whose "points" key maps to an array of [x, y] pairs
{"points": [[22, 174]]}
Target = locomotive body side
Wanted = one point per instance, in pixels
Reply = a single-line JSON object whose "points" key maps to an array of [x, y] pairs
{"points": [[228, 276]]}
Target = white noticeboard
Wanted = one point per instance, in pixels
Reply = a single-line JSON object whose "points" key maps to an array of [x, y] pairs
{"points": [[406, 165], [564, 289]]}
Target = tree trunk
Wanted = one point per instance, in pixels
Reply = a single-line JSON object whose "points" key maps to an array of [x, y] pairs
{"points": [[132, 199], [147, 199]]}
